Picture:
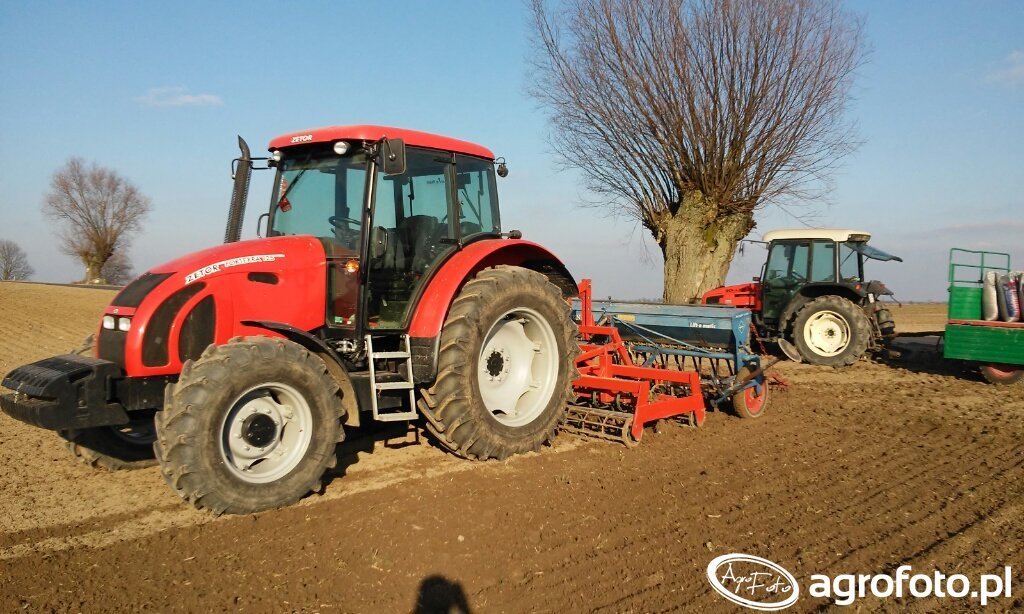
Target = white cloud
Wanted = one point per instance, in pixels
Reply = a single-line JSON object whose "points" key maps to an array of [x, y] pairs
{"points": [[1011, 73], [177, 97]]}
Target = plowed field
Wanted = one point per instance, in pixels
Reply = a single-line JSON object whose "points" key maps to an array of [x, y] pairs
{"points": [[857, 471]]}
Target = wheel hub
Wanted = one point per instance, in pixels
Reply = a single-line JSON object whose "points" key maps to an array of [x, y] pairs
{"points": [[259, 430], [266, 433], [497, 365]]}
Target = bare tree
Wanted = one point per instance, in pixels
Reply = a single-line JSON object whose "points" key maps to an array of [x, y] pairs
{"points": [[13, 262], [118, 270], [688, 116], [98, 211]]}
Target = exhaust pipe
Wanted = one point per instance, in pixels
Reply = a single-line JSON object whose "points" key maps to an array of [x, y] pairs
{"points": [[242, 173]]}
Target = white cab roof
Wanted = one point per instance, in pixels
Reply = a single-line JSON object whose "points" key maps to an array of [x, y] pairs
{"points": [[834, 234]]}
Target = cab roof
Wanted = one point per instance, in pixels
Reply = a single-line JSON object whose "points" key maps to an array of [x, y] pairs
{"points": [[365, 132], [832, 234]]}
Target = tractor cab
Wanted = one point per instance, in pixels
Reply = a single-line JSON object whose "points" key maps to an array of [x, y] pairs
{"points": [[813, 261], [384, 230], [813, 297]]}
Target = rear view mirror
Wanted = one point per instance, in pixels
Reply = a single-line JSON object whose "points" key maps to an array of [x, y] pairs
{"points": [[392, 154]]}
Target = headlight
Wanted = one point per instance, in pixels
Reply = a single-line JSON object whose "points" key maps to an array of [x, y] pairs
{"points": [[123, 324], [109, 322]]}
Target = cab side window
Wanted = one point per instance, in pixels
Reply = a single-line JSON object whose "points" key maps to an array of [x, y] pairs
{"points": [[477, 196], [823, 261]]}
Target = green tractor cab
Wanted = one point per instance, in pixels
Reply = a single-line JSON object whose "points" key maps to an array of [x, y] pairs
{"points": [[812, 297]]}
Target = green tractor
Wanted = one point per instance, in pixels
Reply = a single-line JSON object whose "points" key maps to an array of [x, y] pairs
{"points": [[812, 297]]}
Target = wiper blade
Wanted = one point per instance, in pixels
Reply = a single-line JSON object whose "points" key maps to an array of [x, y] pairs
{"points": [[291, 185]]}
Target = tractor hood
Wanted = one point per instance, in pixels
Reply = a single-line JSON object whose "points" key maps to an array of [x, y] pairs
{"points": [[173, 312], [272, 255]]}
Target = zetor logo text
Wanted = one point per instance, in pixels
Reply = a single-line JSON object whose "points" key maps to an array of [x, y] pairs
{"points": [[760, 584], [223, 264], [304, 138]]}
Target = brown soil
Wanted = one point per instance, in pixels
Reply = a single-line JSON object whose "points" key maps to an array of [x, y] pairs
{"points": [[853, 471]]}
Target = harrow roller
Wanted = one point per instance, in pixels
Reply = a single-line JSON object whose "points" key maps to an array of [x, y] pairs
{"points": [[640, 363]]}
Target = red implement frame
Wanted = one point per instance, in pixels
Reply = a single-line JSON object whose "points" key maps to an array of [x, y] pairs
{"points": [[608, 372]]}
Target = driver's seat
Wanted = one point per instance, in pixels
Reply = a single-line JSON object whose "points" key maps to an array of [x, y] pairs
{"points": [[417, 233]]}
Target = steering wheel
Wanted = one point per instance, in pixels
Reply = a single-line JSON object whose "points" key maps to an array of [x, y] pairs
{"points": [[338, 222]]}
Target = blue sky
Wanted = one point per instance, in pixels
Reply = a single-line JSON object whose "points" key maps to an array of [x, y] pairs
{"points": [[158, 92]]}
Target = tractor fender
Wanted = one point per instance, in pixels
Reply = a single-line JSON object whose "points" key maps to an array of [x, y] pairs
{"points": [[440, 291], [811, 292], [331, 360]]}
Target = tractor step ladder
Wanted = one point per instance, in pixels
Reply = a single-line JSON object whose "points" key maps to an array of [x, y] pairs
{"points": [[406, 384]]}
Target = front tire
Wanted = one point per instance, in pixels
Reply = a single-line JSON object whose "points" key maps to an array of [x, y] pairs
{"points": [[250, 426], [114, 448], [831, 331], [505, 366]]}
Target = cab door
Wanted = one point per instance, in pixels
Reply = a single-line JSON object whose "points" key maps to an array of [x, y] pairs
{"points": [[414, 215], [786, 271]]}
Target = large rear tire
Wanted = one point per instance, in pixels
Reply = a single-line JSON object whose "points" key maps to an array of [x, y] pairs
{"points": [[505, 366], [831, 331], [113, 448], [250, 426], [1002, 375]]}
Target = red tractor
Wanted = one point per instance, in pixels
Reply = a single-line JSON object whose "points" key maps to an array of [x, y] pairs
{"points": [[384, 286], [812, 297]]}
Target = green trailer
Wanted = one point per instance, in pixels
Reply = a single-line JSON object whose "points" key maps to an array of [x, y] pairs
{"points": [[997, 347]]}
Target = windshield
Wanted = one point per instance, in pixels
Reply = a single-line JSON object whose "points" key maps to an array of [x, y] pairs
{"points": [[320, 194]]}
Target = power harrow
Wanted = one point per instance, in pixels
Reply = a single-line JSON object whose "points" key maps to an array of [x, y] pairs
{"points": [[642, 362]]}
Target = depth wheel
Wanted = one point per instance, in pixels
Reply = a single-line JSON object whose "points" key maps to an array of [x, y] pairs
{"points": [[505, 366], [831, 331], [1002, 375], [747, 403], [251, 425]]}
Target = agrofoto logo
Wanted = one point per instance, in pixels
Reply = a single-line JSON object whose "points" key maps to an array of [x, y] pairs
{"points": [[753, 582]]}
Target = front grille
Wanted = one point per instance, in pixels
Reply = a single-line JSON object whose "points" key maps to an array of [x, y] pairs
{"points": [[197, 330], [158, 329]]}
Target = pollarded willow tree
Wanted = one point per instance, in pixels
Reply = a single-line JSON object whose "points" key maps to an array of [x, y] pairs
{"points": [[689, 116], [97, 211]]}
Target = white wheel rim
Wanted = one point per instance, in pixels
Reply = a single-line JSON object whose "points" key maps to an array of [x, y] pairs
{"points": [[266, 433], [518, 367], [827, 333]]}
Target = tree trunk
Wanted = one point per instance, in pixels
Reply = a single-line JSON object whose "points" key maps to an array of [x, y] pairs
{"points": [[698, 249], [94, 271]]}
